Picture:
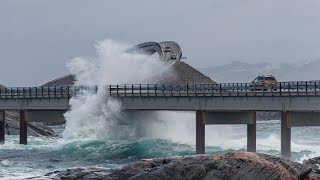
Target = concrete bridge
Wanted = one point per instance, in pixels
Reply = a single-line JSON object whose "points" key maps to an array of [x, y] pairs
{"points": [[229, 103]]}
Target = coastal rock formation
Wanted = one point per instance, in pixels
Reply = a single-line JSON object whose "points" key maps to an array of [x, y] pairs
{"points": [[2, 86], [239, 165], [179, 73], [315, 165], [67, 80], [34, 128]]}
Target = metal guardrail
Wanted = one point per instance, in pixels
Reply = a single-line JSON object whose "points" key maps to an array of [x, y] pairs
{"points": [[44, 92], [296, 88], [301, 88]]}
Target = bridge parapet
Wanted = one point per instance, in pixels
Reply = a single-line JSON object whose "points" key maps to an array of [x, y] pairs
{"points": [[294, 88], [298, 88]]}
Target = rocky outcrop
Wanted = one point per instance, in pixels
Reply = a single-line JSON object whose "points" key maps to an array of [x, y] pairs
{"points": [[180, 73], [2, 86], [12, 126], [67, 80], [240, 165], [315, 165]]}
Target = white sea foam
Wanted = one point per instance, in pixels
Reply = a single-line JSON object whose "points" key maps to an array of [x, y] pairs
{"points": [[98, 115]]}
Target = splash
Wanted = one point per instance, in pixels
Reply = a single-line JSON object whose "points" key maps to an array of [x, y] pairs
{"points": [[98, 115]]}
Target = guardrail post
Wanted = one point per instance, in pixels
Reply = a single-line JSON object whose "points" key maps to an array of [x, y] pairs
{"points": [[155, 90], [132, 90], [289, 89], [125, 90], [203, 88], [237, 89], [41, 91], [220, 89], [117, 90], [140, 88], [2, 126], [280, 87], [315, 88], [187, 89], [147, 89], [306, 88], [68, 89], [212, 89]]}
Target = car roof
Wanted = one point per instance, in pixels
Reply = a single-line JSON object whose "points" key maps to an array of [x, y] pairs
{"points": [[265, 76]]}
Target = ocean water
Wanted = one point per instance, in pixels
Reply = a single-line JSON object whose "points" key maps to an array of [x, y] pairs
{"points": [[99, 133], [43, 155]]}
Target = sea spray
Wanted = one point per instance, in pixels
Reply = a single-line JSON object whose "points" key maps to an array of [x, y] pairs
{"points": [[98, 115]]}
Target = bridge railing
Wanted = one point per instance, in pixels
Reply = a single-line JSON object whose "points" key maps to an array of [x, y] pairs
{"points": [[35, 92], [297, 88]]}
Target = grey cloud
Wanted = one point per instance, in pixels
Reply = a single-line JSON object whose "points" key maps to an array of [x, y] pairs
{"points": [[37, 36]]}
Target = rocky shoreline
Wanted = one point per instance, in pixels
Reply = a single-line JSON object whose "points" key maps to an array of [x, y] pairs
{"points": [[12, 126], [237, 165]]}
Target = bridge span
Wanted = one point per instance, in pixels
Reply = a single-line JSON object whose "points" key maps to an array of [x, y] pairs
{"points": [[230, 103]]}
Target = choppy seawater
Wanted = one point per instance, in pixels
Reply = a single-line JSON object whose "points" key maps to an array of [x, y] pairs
{"points": [[44, 155]]}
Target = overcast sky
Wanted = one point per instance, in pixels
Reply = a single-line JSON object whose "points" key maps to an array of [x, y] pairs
{"points": [[38, 36]]}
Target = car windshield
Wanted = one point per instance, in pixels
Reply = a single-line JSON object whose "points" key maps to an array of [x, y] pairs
{"points": [[259, 78], [270, 78]]}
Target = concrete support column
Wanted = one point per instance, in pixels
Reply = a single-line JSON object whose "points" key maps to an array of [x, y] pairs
{"points": [[23, 127], [2, 126], [200, 133], [251, 134], [285, 136]]}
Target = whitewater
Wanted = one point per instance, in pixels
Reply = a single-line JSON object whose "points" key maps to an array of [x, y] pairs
{"points": [[99, 133]]}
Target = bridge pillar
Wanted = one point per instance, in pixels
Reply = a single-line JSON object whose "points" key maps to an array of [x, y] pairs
{"points": [[23, 127], [285, 136], [251, 134], [2, 126], [200, 133]]}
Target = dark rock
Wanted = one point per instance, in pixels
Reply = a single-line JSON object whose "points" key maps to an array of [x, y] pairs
{"points": [[67, 80], [180, 73], [12, 126], [315, 165], [240, 165], [228, 166]]}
